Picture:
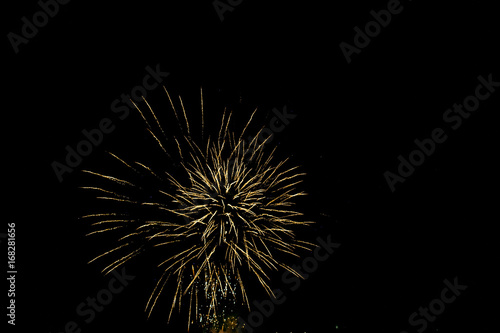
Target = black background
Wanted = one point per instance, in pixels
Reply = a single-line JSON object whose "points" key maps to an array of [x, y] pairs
{"points": [[353, 120]]}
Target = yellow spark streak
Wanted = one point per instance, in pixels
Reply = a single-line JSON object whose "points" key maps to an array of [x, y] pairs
{"points": [[103, 190], [142, 115], [103, 230], [109, 221], [149, 169], [101, 214], [154, 115], [119, 262], [116, 199], [178, 255], [158, 294], [248, 123], [221, 126], [105, 253], [159, 143], [179, 148], [175, 296], [185, 117], [173, 107], [116, 180], [122, 161], [202, 116]]}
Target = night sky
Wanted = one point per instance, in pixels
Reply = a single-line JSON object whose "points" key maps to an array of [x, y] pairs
{"points": [[359, 109]]}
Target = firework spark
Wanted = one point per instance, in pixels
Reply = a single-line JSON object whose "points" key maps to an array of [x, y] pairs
{"points": [[229, 216]]}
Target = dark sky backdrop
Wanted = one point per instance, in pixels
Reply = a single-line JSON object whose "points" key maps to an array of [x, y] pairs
{"points": [[352, 122]]}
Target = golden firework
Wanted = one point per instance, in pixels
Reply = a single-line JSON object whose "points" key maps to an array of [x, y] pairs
{"points": [[230, 215]]}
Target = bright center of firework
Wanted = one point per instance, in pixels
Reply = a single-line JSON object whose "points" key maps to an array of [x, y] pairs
{"points": [[221, 203]]}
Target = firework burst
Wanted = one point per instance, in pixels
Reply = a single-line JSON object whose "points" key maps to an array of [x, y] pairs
{"points": [[225, 218]]}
